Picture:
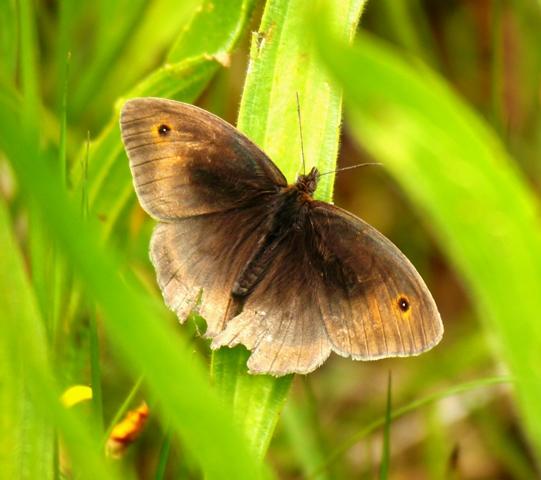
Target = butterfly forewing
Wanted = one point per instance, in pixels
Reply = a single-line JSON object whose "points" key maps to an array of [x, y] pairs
{"points": [[186, 161]]}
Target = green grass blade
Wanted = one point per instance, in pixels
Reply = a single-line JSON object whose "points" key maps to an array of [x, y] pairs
{"points": [[386, 450], [29, 400], [476, 202], [409, 26], [341, 449], [26, 440], [154, 347], [164, 456], [123, 408], [127, 50], [57, 274], [62, 165], [40, 256], [95, 368], [28, 63], [256, 400], [282, 65], [116, 23], [94, 340], [8, 40], [214, 31], [172, 17], [301, 438]]}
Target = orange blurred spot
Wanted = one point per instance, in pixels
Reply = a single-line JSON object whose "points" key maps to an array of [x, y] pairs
{"points": [[127, 431]]}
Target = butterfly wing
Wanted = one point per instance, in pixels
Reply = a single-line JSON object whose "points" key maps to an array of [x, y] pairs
{"points": [[213, 191], [186, 161], [281, 322], [203, 255], [385, 306], [336, 285]]}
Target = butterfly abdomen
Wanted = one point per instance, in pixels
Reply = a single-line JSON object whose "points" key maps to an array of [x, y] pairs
{"points": [[287, 218]]}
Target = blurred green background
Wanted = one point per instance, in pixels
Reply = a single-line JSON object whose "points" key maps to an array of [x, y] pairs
{"points": [[445, 95]]}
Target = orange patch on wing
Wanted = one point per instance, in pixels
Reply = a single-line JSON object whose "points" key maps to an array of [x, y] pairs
{"points": [[403, 304], [158, 135]]}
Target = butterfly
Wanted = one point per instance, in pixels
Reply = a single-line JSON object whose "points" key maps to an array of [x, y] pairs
{"points": [[268, 266]]}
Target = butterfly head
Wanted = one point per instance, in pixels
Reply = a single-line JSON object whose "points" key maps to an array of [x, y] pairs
{"points": [[308, 183]]}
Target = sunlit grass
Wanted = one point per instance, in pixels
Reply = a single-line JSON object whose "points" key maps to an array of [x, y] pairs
{"points": [[78, 301]]}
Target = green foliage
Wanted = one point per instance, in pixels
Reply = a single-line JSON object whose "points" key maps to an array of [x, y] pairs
{"points": [[197, 417], [29, 397], [154, 346], [268, 112], [479, 206], [78, 301]]}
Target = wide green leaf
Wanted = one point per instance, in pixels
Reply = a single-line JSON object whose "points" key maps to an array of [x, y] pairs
{"points": [[282, 66], [29, 399]]}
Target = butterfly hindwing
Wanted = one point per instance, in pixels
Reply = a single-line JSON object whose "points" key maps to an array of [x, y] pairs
{"points": [[281, 322], [374, 303], [202, 256], [336, 285]]}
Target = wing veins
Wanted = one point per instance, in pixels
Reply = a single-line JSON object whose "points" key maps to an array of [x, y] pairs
{"points": [[156, 159], [158, 179], [390, 301], [277, 351], [383, 327]]}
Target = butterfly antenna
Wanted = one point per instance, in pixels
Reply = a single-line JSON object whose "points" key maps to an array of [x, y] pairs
{"points": [[349, 168], [300, 131]]}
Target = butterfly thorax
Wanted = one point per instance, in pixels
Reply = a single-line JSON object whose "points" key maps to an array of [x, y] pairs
{"points": [[308, 183]]}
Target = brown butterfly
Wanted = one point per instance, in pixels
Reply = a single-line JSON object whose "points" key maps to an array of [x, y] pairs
{"points": [[289, 277]]}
